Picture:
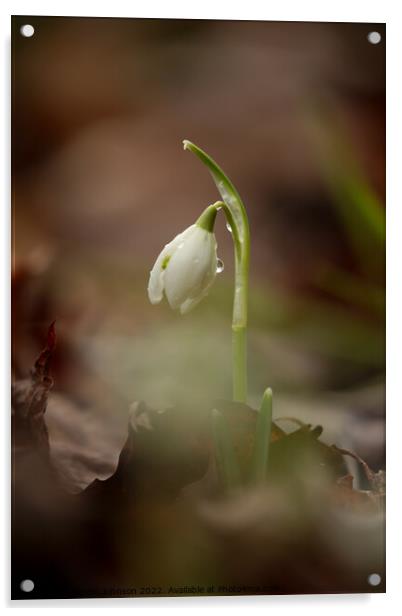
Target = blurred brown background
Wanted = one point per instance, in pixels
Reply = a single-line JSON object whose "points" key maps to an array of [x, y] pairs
{"points": [[294, 113]]}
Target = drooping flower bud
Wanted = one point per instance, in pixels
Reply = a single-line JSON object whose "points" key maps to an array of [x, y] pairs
{"points": [[187, 266]]}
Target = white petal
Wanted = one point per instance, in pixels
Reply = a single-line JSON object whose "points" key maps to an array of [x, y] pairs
{"points": [[157, 274], [156, 277], [189, 304], [191, 269], [207, 282]]}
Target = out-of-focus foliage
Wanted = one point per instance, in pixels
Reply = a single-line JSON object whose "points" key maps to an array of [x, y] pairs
{"points": [[163, 519]]}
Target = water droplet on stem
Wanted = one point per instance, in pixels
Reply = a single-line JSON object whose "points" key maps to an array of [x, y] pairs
{"points": [[219, 266]]}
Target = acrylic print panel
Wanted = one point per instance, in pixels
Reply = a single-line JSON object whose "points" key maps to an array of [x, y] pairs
{"points": [[209, 421]]}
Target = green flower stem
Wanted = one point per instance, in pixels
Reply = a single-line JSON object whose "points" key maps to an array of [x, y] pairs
{"points": [[228, 467], [239, 365], [237, 218], [262, 438]]}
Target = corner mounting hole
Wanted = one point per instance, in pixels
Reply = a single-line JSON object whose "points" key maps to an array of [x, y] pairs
{"points": [[374, 38], [27, 30], [27, 585], [374, 579]]}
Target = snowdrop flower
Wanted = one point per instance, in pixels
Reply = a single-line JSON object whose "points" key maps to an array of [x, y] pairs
{"points": [[187, 266]]}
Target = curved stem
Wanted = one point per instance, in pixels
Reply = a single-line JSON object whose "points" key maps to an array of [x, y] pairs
{"points": [[237, 218]]}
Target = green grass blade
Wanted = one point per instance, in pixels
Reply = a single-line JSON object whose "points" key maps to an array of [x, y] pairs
{"points": [[262, 439]]}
